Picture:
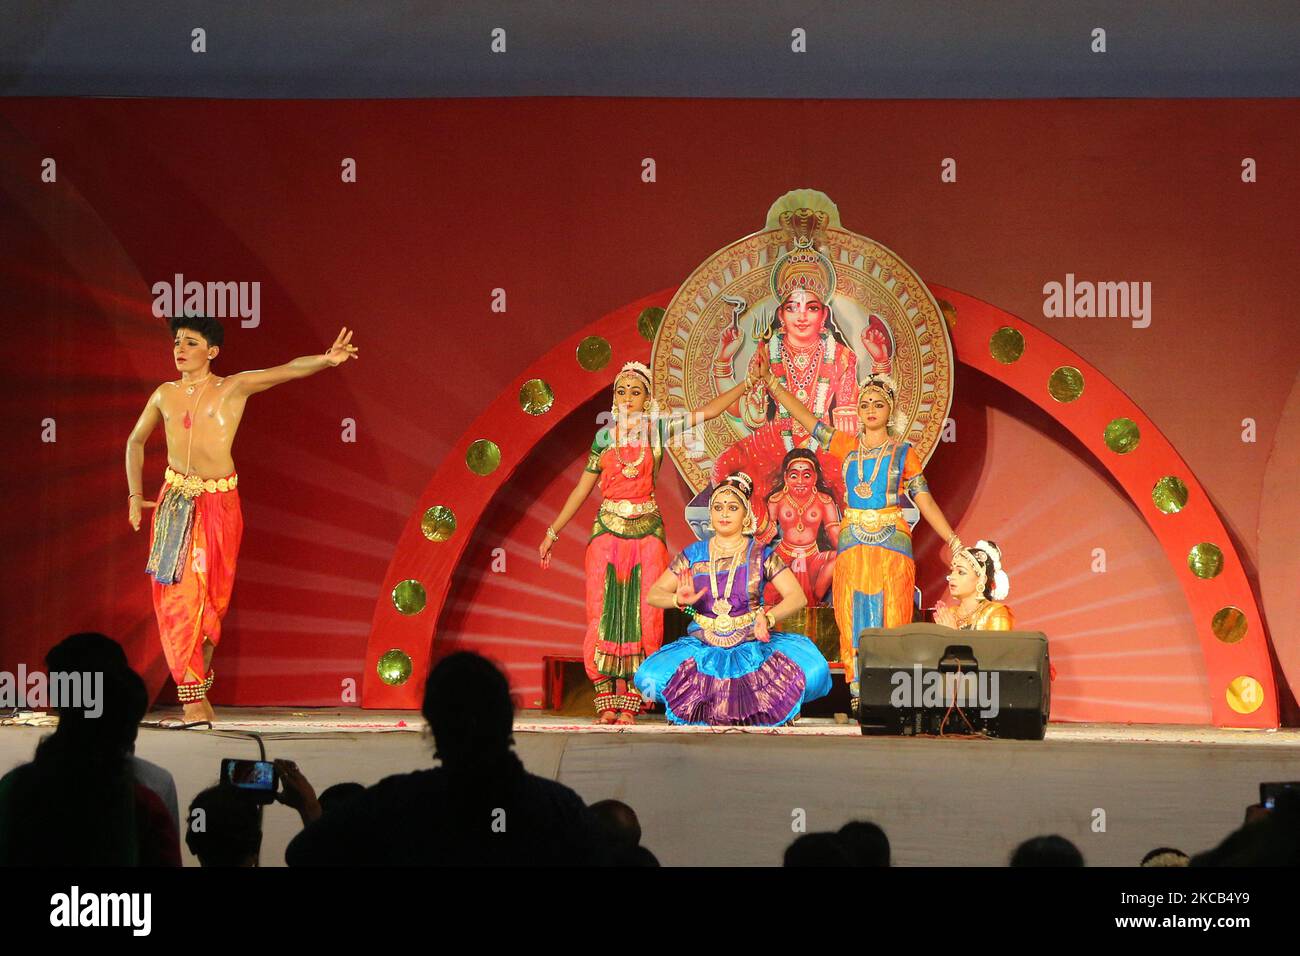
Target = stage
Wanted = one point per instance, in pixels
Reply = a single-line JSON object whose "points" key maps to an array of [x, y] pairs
{"points": [[708, 797]]}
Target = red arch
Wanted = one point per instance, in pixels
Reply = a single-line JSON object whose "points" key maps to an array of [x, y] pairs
{"points": [[433, 563]]}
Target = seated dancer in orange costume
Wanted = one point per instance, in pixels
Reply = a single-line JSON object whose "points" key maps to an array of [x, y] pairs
{"points": [[978, 583], [980, 586], [197, 526]]}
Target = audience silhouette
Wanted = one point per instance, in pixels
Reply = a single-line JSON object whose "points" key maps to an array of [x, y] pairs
{"points": [[1047, 851], [866, 843], [818, 849], [480, 808], [78, 801], [224, 827]]}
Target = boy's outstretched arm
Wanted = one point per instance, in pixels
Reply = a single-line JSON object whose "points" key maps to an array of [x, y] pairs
{"points": [[259, 380]]}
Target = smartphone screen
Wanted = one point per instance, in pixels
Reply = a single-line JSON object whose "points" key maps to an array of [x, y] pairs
{"points": [[258, 775], [1268, 792]]}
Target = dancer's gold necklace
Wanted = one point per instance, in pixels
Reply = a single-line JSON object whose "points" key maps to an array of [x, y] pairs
{"points": [[863, 489], [630, 468], [964, 620], [721, 599]]}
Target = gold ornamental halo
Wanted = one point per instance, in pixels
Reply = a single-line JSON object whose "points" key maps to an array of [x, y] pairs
{"points": [[735, 281]]}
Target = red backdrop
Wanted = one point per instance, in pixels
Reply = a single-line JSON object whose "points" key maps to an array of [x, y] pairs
{"points": [[544, 198]]}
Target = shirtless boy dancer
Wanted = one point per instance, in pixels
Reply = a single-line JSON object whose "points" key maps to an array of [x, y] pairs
{"points": [[197, 526]]}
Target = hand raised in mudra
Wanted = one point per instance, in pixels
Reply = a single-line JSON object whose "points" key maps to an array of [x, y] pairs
{"points": [[686, 594], [342, 349]]}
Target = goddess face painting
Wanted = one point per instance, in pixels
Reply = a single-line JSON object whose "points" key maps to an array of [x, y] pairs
{"points": [[803, 317]]}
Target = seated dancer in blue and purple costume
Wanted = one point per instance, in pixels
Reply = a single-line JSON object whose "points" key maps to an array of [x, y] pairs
{"points": [[733, 667]]}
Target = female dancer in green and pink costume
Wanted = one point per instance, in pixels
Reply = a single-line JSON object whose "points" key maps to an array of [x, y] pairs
{"points": [[626, 552]]}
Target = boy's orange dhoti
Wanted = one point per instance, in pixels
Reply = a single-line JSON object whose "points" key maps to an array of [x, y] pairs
{"points": [[194, 544]]}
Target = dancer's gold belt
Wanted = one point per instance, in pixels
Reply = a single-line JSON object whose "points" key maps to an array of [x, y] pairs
{"points": [[629, 509], [872, 519], [191, 486], [738, 627]]}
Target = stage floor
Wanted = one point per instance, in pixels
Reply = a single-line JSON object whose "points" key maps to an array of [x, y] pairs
{"points": [[288, 720], [708, 797]]}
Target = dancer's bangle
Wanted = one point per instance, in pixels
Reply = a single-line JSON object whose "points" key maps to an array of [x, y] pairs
{"points": [[954, 543], [771, 618], [550, 533], [134, 494]]}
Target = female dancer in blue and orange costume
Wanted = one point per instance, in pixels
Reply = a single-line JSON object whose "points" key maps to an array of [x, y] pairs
{"points": [[626, 550], [732, 667], [874, 572]]}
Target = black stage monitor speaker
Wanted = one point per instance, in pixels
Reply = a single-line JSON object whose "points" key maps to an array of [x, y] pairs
{"points": [[928, 679]]}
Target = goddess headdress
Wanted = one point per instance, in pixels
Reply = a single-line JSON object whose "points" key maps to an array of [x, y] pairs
{"points": [[802, 268]]}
